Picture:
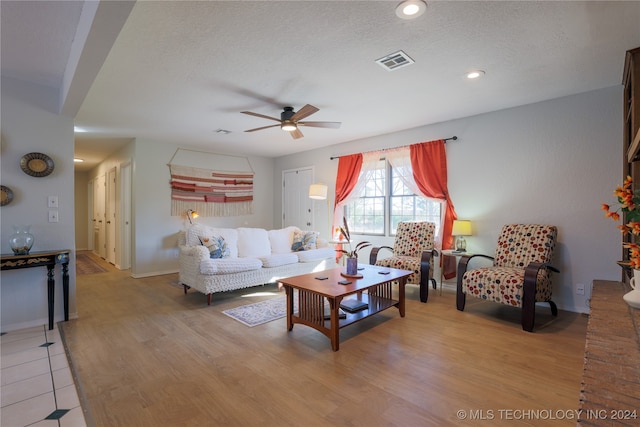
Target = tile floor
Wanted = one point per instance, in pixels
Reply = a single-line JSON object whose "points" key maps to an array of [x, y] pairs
{"points": [[37, 385]]}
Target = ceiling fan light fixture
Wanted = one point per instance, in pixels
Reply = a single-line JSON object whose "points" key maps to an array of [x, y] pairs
{"points": [[288, 126], [411, 9]]}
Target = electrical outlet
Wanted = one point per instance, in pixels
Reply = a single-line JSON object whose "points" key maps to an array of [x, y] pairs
{"points": [[579, 289], [53, 216]]}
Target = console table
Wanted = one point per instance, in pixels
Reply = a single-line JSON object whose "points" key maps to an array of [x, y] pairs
{"points": [[610, 390], [47, 259]]}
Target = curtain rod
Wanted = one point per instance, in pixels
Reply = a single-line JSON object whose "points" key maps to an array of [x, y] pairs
{"points": [[453, 138]]}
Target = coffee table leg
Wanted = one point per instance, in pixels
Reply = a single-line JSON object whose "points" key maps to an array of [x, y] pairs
{"points": [[334, 306], [289, 292]]}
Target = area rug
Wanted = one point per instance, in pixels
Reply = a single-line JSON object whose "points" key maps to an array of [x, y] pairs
{"points": [[259, 312], [86, 265]]}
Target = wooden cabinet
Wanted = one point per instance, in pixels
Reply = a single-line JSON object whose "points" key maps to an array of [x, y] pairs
{"points": [[631, 108], [631, 124]]}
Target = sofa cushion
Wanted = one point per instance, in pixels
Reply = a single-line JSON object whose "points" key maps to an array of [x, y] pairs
{"points": [[276, 260], [253, 243], [304, 240], [229, 265], [230, 236], [281, 239], [315, 254], [217, 246]]}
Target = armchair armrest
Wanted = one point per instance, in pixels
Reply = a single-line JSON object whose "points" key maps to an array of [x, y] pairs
{"points": [[426, 256], [531, 276], [529, 293], [373, 255], [464, 260], [462, 268]]}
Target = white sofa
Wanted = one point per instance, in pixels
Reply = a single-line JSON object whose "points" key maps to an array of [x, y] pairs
{"points": [[254, 256]]}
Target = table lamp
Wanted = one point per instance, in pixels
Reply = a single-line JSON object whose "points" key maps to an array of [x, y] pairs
{"points": [[461, 227]]}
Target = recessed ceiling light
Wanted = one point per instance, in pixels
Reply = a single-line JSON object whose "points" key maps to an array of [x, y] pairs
{"points": [[475, 74], [76, 160], [411, 9], [223, 131]]}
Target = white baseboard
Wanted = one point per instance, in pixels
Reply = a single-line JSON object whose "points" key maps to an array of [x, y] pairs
{"points": [[153, 273]]}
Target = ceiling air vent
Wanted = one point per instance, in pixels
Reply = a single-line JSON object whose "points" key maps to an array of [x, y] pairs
{"points": [[395, 60]]}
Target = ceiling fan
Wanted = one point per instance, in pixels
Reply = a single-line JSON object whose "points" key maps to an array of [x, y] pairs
{"points": [[290, 120]]}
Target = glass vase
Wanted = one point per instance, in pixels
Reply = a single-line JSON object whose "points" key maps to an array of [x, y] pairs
{"points": [[21, 240]]}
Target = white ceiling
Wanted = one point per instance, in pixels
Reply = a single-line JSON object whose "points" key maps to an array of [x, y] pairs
{"points": [[178, 71]]}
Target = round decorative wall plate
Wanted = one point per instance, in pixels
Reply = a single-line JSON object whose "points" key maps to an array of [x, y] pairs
{"points": [[6, 195], [36, 164]]}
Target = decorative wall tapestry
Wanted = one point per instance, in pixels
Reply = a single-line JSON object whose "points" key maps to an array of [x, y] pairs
{"points": [[211, 192]]}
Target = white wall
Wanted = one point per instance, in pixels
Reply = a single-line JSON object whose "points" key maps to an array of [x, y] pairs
{"points": [[155, 230], [30, 124], [552, 162]]}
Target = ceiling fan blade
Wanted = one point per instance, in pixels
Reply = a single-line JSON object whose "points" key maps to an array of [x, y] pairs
{"points": [[263, 127], [260, 115], [296, 134], [332, 125], [305, 111]]}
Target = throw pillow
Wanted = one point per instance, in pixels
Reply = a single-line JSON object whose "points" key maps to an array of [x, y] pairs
{"points": [[304, 240], [217, 246]]}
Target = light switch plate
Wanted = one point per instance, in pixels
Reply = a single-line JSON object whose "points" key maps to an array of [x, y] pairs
{"points": [[53, 202], [53, 216]]}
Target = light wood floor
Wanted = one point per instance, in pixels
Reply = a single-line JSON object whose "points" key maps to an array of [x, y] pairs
{"points": [[145, 354]]}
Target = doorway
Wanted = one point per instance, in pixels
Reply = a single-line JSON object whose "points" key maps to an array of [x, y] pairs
{"points": [[296, 204]]}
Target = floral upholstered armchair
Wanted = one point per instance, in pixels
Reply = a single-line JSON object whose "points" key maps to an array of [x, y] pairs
{"points": [[520, 275], [412, 250]]}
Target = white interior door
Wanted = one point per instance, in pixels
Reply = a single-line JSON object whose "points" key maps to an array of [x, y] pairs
{"points": [[296, 204], [125, 215], [99, 194], [90, 216], [110, 223]]}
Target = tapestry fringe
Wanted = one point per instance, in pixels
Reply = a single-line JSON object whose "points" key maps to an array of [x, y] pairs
{"points": [[180, 207]]}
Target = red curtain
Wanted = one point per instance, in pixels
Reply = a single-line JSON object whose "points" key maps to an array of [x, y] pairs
{"points": [[347, 177], [429, 165], [348, 174]]}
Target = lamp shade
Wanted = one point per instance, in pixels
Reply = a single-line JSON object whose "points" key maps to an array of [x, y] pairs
{"points": [[461, 227], [318, 191]]}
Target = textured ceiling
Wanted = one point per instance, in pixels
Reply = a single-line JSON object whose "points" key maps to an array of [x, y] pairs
{"points": [[179, 71]]}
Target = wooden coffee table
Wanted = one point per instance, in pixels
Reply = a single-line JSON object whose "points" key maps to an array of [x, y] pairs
{"points": [[376, 281]]}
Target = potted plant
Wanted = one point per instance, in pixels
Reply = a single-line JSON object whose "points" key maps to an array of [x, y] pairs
{"points": [[352, 254], [630, 206]]}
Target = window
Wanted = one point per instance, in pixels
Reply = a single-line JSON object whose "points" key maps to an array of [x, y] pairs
{"points": [[386, 201]]}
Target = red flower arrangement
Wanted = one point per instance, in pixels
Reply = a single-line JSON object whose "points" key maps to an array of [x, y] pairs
{"points": [[629, 205]]}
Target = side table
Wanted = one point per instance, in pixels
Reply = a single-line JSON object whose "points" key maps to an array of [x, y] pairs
{"points": [[340, 243], [453, 253], [47, 259]]}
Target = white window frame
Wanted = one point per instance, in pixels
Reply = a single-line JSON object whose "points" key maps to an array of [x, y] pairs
{"points": [[389, 185]]}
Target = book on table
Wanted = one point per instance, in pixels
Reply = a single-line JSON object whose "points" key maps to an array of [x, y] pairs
{"points": [[341, 314], [352, 305]]}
